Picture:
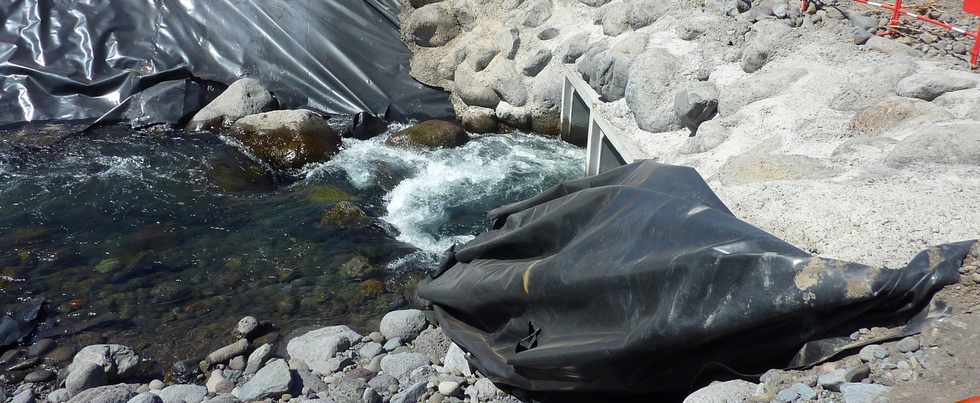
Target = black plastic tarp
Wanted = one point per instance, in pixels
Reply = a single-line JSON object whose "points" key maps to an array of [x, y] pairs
{"points": [[640, 280], [79, 59]]}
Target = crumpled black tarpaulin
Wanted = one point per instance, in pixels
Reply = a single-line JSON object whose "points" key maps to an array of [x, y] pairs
{"points": [[640, 280], [79, 59]]}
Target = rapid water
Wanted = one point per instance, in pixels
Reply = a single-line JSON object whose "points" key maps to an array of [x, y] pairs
{"points": [[165, 239]]}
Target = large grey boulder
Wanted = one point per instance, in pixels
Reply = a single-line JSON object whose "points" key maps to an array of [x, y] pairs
{"points": [[432, 25], [761, 47], [617, 18], [84, 375], [288, 139], [507, 83], [607, 69], [477, 119], [963, 104], [272, 380], [535, 61], [431, 134], [709, 135], [696, 103], [944, 143], [401, 364], [120, 393], [651, 91], [115, 359], [723, 392], [257, 358], [317, 347], [472, 89], [574, 47], [146, 397], [533, 13], [455, 361], [183, 393], [405, 324], [929, 86], [244, 97]]}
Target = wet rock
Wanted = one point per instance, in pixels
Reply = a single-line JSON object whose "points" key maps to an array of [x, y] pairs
{"points": [[433, 343], [366, 126], [478, 119], [287, 139], [246, 326], [41, 375], [315, 348], [183, 393], [863, 392], [84, 375], [236, 172], [345, 215], [929, 86], [359, 268], [40, 348], [242, 98], [146, 397], [695, 104], [430, 134], [120, 393], [951, 143], [226, 353], [405, 324], [652, 89], [9, 356], [432, 25], [400, 364], [410, 395], [26, 364], [737, 390]]}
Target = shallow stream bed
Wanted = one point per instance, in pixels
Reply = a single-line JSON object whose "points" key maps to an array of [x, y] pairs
{"points": [[163, 240]]}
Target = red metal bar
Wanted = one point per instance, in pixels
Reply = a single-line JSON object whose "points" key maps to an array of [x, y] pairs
{"points": [[976, 48], [896, 15]]}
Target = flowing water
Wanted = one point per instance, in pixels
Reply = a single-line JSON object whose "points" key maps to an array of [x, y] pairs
{"points": [[162, 240]]}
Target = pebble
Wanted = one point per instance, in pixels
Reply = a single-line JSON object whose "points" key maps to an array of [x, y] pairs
{"points": [[157, 384], [370, 350], [26, 396], [8, 356], [873, 352], [257, 357], [455, 361], [908, 345], [448, 388], [146, 397], [377, 337], [371, 396], [246, 326], [41, 347], [375, 364], [217, 383], [393, 343], [185, 393], [40, 375], [226, 353], [30, 362], [59, 396], [862, 392], [237, 363], [406, 324]]}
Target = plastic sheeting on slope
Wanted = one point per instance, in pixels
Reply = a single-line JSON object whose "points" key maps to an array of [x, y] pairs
{"points": [[79, 59], [640, 280]]}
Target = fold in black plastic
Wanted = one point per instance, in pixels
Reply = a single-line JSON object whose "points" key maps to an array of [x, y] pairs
{"points": [[80, 59], [640, 280]]}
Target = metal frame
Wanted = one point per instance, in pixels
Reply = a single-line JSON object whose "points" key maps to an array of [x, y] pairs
{"points": [[606, 147]]}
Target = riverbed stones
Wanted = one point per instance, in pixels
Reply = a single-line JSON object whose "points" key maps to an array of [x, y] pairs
{"points": [[226, 353], [651, 91], [929, 86], [24, 396], [116, 360], [271, 381], [40, 347], [401, 364], [908, 345], [405, 324], [40, 375], [432, 25], [217, 383], [430, 134], [146, 397], [120, 393], [317, 347], [730, 391], [244, 97], [433, 343], [246, 326], [84, 375], [183, 393], [863, 392], [58, 396], [288, 139], [411, 394], [873, 352]]}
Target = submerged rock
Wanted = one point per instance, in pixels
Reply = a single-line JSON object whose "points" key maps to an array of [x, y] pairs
{"points": [[288, 139], [345, 215], [359, 268], [430, 134], [235, 172], [242, 98]]}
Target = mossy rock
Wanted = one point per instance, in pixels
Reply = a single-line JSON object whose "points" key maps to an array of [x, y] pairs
{"points": [[288, 139], [359, 268], [372, 288], [344, 214], [328, 195], [233, 172], [430, 134], [109, 265]]}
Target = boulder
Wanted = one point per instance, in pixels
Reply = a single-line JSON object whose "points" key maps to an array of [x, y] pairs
{"points": [[432, 25], [617, 18], [507, 83], [146, 397], [430, 134], [233, 171], [765, 36], [401, 364], [413, 394], [533, 13], [709, 135], [535, 61], [480, 54], [58, 396], [473, 90], [359, 268], [365, 126], [404, 324], [244, 97], [723, 392], [651, 91], [696, 103], [756, 88], [455, 361], [345, 214], [84, 375], [607, 70], [317, 347], [273, 380], [945, 143], [477, 119], [120, 393], [183, 393], [257, 358], [217, 383], [514, 116], [288, 139], [929, 86], [116, 360], [574, 47], [963, 104], [864, 392], [433, 343]]}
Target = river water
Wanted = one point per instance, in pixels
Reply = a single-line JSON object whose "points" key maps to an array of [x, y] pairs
{"points": [[162, 240]]}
